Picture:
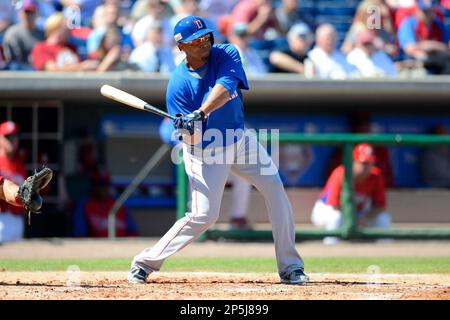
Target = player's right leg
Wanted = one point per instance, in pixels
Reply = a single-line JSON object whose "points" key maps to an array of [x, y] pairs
{"points": [[263, 174], [207, 184]]}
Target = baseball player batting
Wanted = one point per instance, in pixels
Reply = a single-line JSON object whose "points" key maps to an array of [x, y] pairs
{"points": [[205, 90]]}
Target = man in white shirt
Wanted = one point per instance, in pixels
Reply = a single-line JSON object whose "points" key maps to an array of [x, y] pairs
{"points": [[324, 61], [370, 61]]}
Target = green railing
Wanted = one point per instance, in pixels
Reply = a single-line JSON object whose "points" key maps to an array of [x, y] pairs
{"points": [[350, 229]]}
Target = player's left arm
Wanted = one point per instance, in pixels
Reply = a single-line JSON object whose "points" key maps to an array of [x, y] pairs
{"points": [[230, 78], [218, 97]]}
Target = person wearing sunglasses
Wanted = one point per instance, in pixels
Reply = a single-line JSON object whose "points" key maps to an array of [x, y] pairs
{"points": [[204, 94]]}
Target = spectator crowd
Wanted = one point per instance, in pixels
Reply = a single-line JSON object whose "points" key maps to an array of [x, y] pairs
{"points": [[387, 38]]}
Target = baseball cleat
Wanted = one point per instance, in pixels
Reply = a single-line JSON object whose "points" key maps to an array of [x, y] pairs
{"points": [[137, 275], [295, 277]]}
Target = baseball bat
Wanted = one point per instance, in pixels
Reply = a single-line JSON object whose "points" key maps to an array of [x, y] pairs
{"points": [[132, 101]]}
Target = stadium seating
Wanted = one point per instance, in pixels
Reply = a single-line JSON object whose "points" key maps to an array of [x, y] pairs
{"points": [[338, 13]]}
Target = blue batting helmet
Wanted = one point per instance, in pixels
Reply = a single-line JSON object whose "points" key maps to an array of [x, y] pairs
{"points": [[190, 28]]}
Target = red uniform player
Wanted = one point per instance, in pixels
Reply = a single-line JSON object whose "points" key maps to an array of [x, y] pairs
{"points": [[12, 169], [370, 195]]}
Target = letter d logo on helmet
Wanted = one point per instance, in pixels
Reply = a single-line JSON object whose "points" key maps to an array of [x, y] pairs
{"points": [[190, 28], [198, 23]]}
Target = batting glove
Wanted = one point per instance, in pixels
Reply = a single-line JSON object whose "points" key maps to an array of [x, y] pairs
{"points": [[188, 122], [178, 121]]}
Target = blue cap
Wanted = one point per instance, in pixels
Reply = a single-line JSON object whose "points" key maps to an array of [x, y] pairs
{"points": [[299, 29], [425, 4], [190, 28]]}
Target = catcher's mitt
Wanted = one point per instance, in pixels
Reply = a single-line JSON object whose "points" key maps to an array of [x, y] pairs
{"points": [[29, 190]]}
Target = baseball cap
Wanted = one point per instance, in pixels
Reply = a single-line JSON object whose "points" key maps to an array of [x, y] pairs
{"points": [[425, 4], [8, 127], [363, 152], [299, 29], [190, 28], [29, 6]]}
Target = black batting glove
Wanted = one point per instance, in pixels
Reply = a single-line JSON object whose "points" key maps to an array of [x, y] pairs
{"points": [[178, 121], [187, 122]]}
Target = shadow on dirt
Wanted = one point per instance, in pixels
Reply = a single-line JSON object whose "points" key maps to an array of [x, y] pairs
{"points": [[82, 286]]}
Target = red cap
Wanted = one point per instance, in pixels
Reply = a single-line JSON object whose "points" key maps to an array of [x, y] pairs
{"points": [[29, 6], [363, 152], [8, 127]]}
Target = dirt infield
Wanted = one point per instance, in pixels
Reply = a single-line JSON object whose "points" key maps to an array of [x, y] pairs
{"points": [[205, 286], [222, 286]]}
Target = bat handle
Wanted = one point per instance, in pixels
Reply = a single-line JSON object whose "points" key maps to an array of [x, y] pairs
{"points": [[150, 108]]}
